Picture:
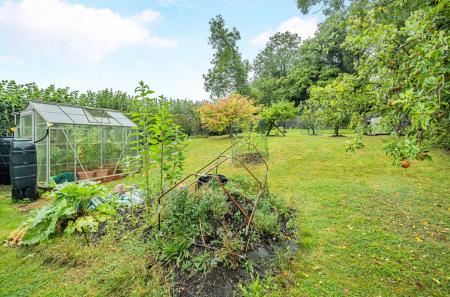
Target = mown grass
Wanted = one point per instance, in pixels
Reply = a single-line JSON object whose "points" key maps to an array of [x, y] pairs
{"points": [[366, 228]]}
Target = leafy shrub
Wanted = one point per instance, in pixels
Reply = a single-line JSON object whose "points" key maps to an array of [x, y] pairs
{"points": [[218, 203], [170, 249], [267, 222], [207, 218], [257, 287], [184, 214], [69, 212]]}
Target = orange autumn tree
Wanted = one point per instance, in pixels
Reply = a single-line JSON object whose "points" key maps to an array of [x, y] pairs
{"points": [[222, 115]]}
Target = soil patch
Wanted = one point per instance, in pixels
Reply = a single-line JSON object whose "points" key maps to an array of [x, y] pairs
{"points": [[251, 158], [26, 207], [220, 281]]}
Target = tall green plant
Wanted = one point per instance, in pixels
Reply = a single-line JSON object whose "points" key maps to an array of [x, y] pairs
{"points": [[159, 139]]}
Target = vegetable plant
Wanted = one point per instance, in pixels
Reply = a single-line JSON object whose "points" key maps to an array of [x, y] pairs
{"points": [[69, 212]]}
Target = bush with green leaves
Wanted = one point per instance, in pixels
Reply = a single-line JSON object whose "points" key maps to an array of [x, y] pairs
{"points": [[68, 213], [277, 113], [207, 217]]}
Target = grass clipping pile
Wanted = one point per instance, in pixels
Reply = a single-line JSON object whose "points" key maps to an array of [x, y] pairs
{"points": [[203, 239]]}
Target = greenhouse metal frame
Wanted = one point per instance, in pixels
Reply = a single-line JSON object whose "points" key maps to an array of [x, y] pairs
{"points": [[78, 143]]}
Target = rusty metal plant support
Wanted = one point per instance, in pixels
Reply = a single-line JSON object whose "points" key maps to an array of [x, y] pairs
{"points": [[214, 165]]}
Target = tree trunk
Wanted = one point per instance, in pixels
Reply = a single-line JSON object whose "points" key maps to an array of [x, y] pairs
{"points": [[270, 128], [230, 130], [336, 130], [314, 131]]}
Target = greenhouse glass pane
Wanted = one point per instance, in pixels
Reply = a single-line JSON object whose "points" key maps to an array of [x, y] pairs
{"points": [[80, 119], [41, 107], [126, 122], [41, 152], [72, 110], [26, 126], [121, 118], [40, 128], [53, 117], [62, 114], [88, 146], [61, 152]]}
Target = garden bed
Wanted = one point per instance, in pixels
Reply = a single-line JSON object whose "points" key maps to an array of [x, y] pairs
{"points": [[252, 158], [202, 243]]}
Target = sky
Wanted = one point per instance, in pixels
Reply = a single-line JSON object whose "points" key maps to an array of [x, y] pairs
{"points": [[98, 44]]}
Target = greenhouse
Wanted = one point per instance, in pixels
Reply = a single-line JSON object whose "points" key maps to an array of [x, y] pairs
{"points": [[78, 143]]}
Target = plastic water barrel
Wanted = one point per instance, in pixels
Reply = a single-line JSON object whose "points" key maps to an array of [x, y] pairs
{"points": [[23, 169], [5, 145]]}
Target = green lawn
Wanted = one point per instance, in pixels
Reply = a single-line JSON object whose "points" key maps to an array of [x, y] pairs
{"points": [[366, 228]]}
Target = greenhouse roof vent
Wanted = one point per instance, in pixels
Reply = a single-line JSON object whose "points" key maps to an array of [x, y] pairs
{"points": [[56, 113]]}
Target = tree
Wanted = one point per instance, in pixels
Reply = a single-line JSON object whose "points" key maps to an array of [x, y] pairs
{"points": [[317, 59], [106, 98], [14, 98], [278, 57], [278, 112], [235, 110], [309, 115], [329, 6], [333, 100], [159, 140], [402, 73], [272, 65], [186, 115], [229, 72]]}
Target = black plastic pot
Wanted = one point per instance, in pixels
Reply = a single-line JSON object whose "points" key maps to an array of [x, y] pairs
{"points": [[205, 179]]}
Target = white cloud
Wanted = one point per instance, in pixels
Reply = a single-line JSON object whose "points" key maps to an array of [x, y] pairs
{"points": [[74, 32], [146, 17], [10, 59], [305, 28]]}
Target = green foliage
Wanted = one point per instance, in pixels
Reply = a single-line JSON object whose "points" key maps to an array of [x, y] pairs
{"points": [[279, 111], [327, 5], [334, 100], [186, 115], [267, 215], [14, 97], [402, 72], [278, 57], [310, 115], [229, 73], [257, 287], [356, 218], [218, 202], [89, 153], [271, 67], [170, 249], [267, 221], [68, 212], [160, 141], [208, 217], [286, 71]]}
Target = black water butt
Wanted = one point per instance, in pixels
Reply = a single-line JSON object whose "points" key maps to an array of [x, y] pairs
{"points": [[23, 169], [5, 146]]}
